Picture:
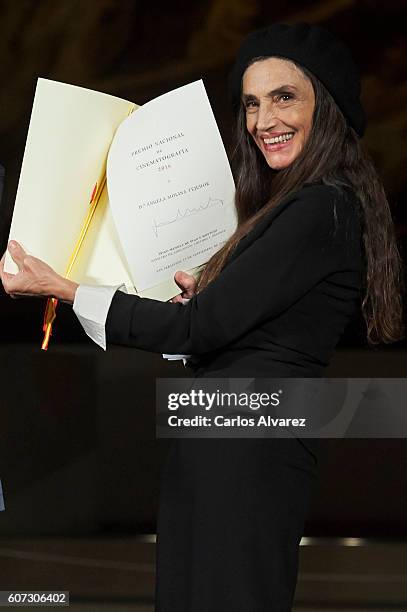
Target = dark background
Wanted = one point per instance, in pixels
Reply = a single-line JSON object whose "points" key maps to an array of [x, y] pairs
{"points": [[77, 442]]}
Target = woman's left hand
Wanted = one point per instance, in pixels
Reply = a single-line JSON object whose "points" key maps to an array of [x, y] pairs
{"points": [[186, 282], [35, 278]]}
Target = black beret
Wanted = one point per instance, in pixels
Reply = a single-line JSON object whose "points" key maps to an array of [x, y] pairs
{"points": [[317, 50]]}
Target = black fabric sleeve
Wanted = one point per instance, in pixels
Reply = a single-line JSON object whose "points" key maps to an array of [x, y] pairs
{"points": [[300, 247]]}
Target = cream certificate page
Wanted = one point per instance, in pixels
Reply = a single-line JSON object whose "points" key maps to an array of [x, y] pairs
{"points": [[170, 187], [69, 136]]}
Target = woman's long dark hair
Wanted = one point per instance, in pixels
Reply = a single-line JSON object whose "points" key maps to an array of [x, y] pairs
{"points": [[334, 155]]}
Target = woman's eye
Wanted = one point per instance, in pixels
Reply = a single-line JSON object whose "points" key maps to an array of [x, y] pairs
{"points": [[285, 97], [250, 104]]}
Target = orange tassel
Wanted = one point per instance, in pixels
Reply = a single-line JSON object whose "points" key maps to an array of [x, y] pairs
{"points": [[50, 309], [49, 317]]}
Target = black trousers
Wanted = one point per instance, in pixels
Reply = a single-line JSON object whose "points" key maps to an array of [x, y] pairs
{"points": [[231, 517]]}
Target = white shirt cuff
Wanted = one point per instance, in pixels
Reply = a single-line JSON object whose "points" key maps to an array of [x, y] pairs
{"points": [[176, 357], [91, 305]]}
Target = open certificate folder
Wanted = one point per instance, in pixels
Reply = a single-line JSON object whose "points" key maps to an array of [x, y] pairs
{"points": [[167, 204]]}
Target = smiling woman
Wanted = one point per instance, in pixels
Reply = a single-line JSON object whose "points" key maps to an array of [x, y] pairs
{"points": [[279, 101], [314, 243]]}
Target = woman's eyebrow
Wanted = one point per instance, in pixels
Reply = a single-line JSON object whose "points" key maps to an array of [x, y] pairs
{"points": [[282, 89], [247, 97], [273, 92]]}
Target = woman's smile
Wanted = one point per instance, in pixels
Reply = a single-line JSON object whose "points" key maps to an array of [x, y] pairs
{"points": [[277, 142]]}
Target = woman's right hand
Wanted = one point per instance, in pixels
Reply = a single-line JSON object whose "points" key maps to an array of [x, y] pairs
{"points": [[34, 278], [187, 283]]}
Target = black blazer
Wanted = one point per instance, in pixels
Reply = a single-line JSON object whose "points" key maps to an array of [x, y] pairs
{"points": [[280, 304]]}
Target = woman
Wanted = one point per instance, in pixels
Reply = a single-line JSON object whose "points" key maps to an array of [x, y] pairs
{"points": [[314, 242]]}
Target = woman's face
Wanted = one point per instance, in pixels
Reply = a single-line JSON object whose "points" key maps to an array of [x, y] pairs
{"points": [[279, 101]]}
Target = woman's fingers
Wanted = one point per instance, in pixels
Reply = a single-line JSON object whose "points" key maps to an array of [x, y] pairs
{"points": [[2, 265], [178, 299], [187, 283], [6, 277], [34, 278], [17, 253], [11, 282]]}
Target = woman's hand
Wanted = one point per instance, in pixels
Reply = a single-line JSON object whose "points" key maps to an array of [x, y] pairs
{"points": [[35, 278], [187, 283]]}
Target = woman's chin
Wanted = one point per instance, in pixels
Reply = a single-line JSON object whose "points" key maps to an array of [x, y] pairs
{"points": [[279, 162]]}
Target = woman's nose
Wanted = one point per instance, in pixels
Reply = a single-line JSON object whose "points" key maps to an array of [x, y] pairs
{"points": [[266, 118]]}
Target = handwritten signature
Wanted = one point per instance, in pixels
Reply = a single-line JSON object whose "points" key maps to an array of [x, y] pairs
{"points": [[187, 212]]}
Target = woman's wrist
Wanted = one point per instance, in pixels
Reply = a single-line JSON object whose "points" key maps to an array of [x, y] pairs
{"points": [[65, 290]]}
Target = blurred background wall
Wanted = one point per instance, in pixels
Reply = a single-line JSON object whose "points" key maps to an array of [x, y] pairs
{"points": [[77, 444]]}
